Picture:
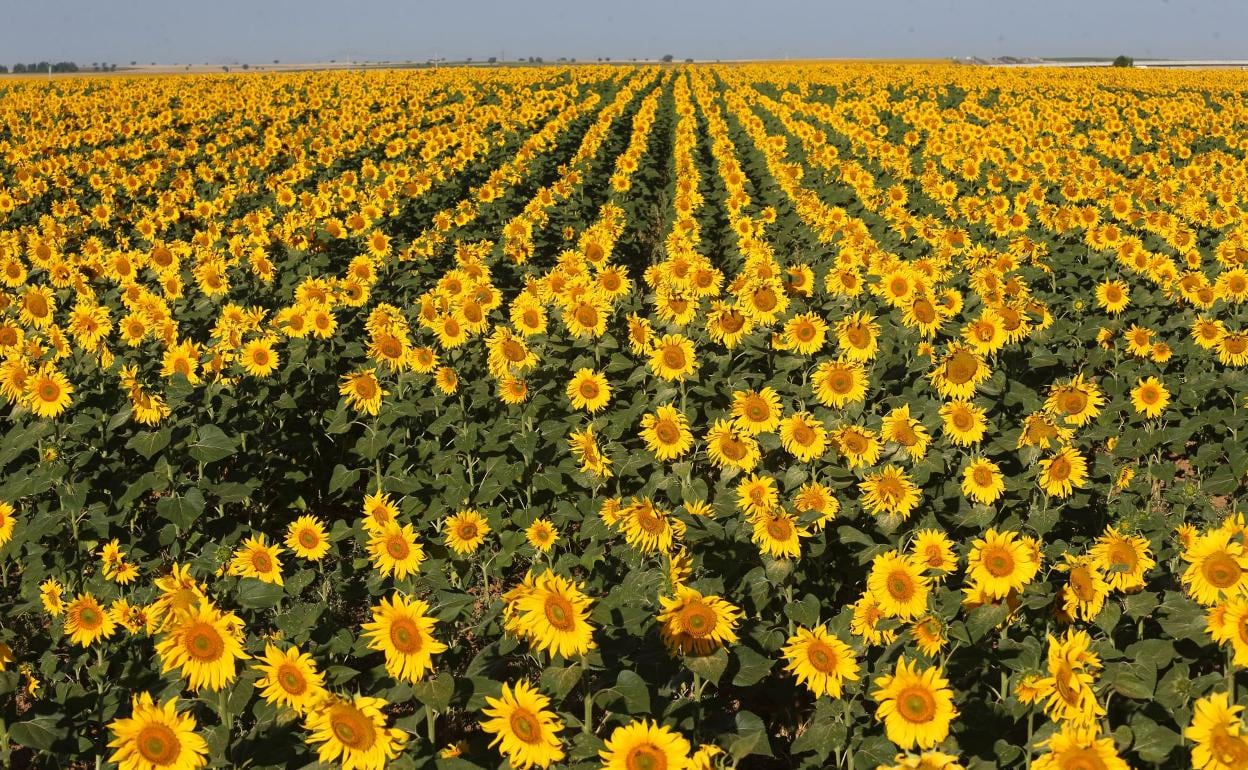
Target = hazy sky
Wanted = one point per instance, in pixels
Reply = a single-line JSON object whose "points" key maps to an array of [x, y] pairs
{"points": [[224, 31]]}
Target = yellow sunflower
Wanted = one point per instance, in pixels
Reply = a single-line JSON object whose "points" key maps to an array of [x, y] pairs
{"points": [[730, 447], [803, 436], [86, 622], [982, 481], [820, 661], [363, 391], [645, 745], [673, 357], [1217, 568], [256, 558], [395, 551], [1150, 397], [156, 737], [542, 535], [1000, 563], [306, 536], [964, 422], [353, 732], [588, 390], [959, 373], [1063, 473], [898, 585], [524, 728], [756, 412], [466, 531], [693, 624], [402, 629], [916, 706], [1124, 559], [553, 615], [838, 383], [1073, 746], [666, 433], [204, 644], [1217, 734], [935, 550], [889, 492], [258, 358], [289, 678]]}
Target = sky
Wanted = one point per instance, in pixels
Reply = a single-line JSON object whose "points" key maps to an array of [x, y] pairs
{"points": [[259, 31]]}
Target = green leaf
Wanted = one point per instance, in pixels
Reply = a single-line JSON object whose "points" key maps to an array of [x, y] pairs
{"points": [[1131, 679], [38, 733], [635, 692], [1153, 742], [181, 511], [211, 444], [709, 667], [256, 594], [435, 693], [984, 619], [150, 442], [752, 666], [560, 680], [342, 478]]}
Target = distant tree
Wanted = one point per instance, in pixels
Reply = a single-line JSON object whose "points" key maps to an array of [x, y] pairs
{"points": [[1124, 61], [112, 68], [493, 60], [19, 69], [275, 61], [668, 57], [689, 60], [4, 70], [133, 63], [246, 66], [539, 60], [226, 68]]}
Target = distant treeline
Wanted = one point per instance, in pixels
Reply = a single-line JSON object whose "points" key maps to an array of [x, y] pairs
{"points": [[43, 66]]}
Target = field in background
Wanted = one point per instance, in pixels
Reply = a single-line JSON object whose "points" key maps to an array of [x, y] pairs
{"points": [[826, 414]]}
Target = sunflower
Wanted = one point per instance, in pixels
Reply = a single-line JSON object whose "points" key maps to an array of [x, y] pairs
{"points": [[86, 622], [929, 634], [203, 643], [820, 661], [258, 357], [255, 558], [379, 511], [756, 412], [47, 391], [865, 621], [306, 536], [645, 745], [959, 373], [902, 429], [648, 527], [673, 357], [363, 391], [553, 615], [402, 629], [666, 433], [1217, 734], [1068, 689], [156, 737], [353, 732], [841, 382], [51, 594], [1000, 563], [1150, 397], [1233, 349], [898, 585], [1085, 591], [693, 624], [588, 390], [777, 534], [757, 494], [857, 335], [7, 522], [934, 549], [466, 531], [541, 534], [982, 481], [395, 551], [1073, 747], [1124, 559], [926, 760], [916, 706], [889, 492], [289, 678], [803, 436], [815, 498], [1077, 401], [1063, 473], [1113, 296], [524, 728], [963, 422], [446, 380], [805, 333], [1217, 568], [730, 447], [859, 446]]}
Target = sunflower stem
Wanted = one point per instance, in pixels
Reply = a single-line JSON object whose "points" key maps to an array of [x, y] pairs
{"points": [[431, 720], [587, 723]]}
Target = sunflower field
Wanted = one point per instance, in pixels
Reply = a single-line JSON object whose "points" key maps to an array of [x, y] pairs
{"points": [[857, 415]]}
